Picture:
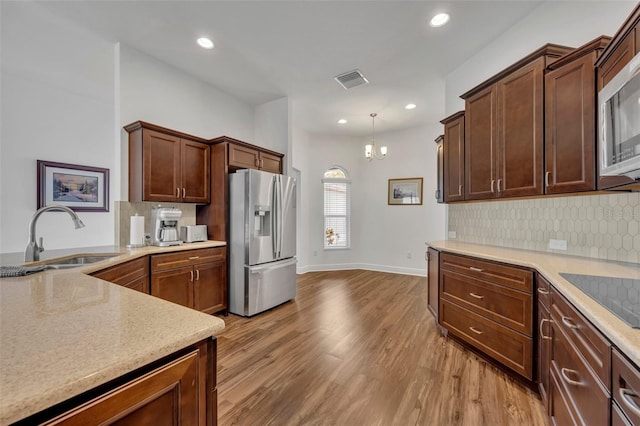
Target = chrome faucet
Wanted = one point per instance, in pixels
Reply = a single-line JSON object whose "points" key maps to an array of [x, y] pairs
{"points": [[33, 250]]}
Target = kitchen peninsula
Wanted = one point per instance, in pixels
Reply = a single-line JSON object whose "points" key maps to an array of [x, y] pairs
{"points": [[67, 338]]}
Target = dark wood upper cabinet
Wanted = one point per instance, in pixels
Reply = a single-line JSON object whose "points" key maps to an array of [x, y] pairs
{"points": [[570, 120], [227, 156], [166, 165], [504, 129], [453, 157]]}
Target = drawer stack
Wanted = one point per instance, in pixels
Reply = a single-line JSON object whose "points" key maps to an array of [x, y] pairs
{"points": [[489, 305], [580, 367]]}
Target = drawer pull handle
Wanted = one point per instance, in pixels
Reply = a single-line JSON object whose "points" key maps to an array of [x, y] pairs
{"points": [[566, 321], [475, 269], [477, 296], [543, 291], [564, 371], [194, 257], [475, 330], [542, 321], [626, 395]]}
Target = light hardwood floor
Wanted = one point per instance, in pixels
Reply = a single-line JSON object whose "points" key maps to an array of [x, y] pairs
{"points": [[359, 348]]}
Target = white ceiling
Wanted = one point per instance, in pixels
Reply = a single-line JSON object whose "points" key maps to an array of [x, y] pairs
{"points": [[269, 49]]}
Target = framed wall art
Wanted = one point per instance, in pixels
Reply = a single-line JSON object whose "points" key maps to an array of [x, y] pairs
{"points": [[405, 192], [81, 188]]}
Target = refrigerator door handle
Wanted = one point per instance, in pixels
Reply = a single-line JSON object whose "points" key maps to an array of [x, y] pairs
{"points": [[274, 212], [280, 216], [280, 264]]}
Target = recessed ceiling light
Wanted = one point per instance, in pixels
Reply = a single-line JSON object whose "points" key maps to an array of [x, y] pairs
{"points": [[342, 121], [410, 106], [439, 20], [205, 43]]}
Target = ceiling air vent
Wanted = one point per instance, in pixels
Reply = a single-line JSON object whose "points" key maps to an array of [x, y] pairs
{"points": [[351, 79]]}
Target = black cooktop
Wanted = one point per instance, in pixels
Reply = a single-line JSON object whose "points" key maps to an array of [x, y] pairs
{"points": [[619, 295]]}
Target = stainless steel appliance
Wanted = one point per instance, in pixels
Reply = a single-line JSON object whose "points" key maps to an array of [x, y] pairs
{"points": [[193, 233], [619, 125], [165, 226], [621, 296], [262, 263]]}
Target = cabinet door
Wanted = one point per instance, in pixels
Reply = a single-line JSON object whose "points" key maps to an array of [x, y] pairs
{"points": [[433, 273], [175, 285], [480, 145], [520, 131], [454, 160], [166, 396], [544, 353], [133, 274], [570, 114], [440, 167], [161, 166], [243, 157], [195, 172], [210, 287], [270, 163]]}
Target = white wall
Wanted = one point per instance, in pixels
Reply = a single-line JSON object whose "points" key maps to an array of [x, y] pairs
{"points": [[57, 104], [381, 235], [569, 23], [271, 127]]}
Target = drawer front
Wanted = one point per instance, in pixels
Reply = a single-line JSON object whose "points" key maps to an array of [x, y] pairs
{"points": [[510, 348], [125, 272], [498, 273], [588, 341], [559, 410], [504, 305], [626, 386], [617, 418], [187, 258], [543, 290], [581, 387]]}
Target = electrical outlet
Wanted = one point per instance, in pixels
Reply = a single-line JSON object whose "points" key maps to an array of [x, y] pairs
{"points": [[558, 244], [452, 234], [408, 255], [315, 252]]}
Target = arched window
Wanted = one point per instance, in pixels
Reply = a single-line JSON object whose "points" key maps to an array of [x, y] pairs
{"points": [[337, 225]]}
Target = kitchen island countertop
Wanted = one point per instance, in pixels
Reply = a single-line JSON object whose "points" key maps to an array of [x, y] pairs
{"points": [[63, 332], [551, 265]]}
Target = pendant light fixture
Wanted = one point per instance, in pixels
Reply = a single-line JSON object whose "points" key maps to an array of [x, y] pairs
{"points": [[370, 151]]}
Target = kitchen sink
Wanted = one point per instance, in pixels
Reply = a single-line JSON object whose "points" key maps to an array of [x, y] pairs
{"points": [[72, 262]]}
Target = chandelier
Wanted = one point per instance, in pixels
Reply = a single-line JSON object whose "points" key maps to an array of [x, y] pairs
{"points": [[370, 151]]}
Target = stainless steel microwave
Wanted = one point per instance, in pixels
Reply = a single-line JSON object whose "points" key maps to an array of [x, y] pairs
{"points": [[619, 123]]}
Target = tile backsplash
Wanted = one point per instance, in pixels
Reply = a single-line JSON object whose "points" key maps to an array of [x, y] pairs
{"points": [[125, 209], [599, 226]]}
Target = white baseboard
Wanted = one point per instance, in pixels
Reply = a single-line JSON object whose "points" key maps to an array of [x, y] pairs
{"points": [[365, 266]]}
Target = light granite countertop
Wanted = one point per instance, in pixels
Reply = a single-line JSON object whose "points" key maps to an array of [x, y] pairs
{"points": [[550, 265], [63, 332]]}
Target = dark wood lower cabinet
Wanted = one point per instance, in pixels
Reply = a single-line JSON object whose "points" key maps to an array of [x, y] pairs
{"points": [[196, 278], [133, 274], [179, 390], [433, 278]]}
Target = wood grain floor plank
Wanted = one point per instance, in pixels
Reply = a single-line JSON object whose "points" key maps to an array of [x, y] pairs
{"points": [[359, 348]]}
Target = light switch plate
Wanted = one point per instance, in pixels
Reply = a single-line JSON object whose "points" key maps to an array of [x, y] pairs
{"points": [[452, 234]]}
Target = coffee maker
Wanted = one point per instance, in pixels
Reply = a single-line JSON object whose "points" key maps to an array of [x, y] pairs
{"points": [[165, 226]]}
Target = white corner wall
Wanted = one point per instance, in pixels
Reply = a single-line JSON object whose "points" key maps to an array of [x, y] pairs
{"points": [[57, 104], [271, 128]]}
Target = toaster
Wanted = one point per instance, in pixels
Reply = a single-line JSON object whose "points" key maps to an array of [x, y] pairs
{"points": [[193, 233]]}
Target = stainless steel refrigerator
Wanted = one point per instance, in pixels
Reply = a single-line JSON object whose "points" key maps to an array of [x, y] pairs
{"points": [[262, 262]]}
